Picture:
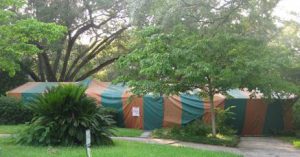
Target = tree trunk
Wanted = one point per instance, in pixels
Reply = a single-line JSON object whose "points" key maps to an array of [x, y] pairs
{"points": [[212, 112], [48, 69], [41, 68], [211, 93], [29, 72]]}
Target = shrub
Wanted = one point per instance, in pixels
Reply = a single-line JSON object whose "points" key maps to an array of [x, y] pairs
{"points": [[173, 133], [196, 128], [297, 114], [7, 82], [199, 131], [223, 119], [61, 116], [110, 112], [13, 111]]}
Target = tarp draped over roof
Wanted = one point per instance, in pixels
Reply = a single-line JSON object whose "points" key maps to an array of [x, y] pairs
{"points": [[252, 116]]}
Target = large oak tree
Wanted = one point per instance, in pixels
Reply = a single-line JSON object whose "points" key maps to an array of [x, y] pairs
{"points": [[93, 26], [21, 36]]}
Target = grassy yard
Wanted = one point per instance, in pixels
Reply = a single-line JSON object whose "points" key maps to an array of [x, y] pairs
{"points": [[293, 140], [121, 148], [12, 129]]}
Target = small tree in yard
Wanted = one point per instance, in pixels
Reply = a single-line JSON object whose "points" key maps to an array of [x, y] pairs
{"points": [[182, 60]]}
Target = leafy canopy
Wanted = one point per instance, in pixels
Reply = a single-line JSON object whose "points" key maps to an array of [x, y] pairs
{"points": [[213, 45], [184, 60], [22, 37]]}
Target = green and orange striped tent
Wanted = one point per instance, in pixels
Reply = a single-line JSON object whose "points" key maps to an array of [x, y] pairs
{"points": [[252, 116]]}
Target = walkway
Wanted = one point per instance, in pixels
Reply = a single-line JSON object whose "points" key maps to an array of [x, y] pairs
{"points": [[181, 144], [248, 147]]}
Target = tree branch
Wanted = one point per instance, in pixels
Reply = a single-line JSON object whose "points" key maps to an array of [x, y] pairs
{"points": [[72, 39], [96, 69], [102, 45], [56, 61], [29, 71], [67, 56], [78, 58]]}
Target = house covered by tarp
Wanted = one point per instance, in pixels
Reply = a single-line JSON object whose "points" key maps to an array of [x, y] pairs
{"points": [[253, 116]]}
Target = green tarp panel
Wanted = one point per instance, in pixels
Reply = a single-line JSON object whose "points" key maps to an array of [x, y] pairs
{"points": [[153, 112], [112, 97], [274, 118], [252, 116], [239, 109], [192, 108]]}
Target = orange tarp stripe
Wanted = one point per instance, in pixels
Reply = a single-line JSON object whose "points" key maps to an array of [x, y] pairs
{"points": [[219, 102], [17, 92], [172, 111], [95, 89], [255, 117], [130, 101]]}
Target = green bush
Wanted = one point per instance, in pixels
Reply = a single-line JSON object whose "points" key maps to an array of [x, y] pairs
{"points": [[296, 115], [13, 111], [173, 133], [110, 112], [61, 116], [223, 119], [196, 128], [198, 131], [8, 82]]}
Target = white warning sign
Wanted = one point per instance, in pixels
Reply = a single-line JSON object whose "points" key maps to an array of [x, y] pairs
{"points": [[135, 111]]}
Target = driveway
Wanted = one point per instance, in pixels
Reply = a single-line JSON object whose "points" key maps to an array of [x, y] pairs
{"points": [[266, 147]]}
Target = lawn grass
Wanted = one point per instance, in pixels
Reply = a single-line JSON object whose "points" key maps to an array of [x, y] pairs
{"points": [[126, 132], [11, 129], [223, 140], [121, 132], [120, 149], [293, 140]]}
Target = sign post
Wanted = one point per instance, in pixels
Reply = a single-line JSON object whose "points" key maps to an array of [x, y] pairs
{"points": [[88, 142]]}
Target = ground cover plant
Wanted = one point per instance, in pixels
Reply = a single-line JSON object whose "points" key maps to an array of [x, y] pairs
{"points": [[177, 134], [62, 115], [295, 141]]}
